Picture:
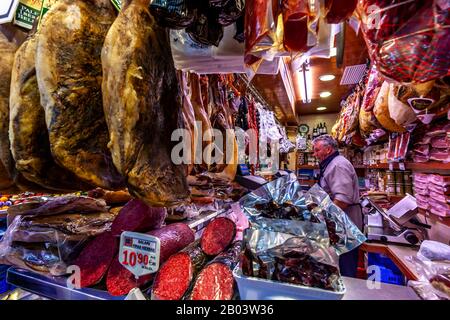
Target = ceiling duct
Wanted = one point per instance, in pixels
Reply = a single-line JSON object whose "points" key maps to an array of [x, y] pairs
{"points": [[352, 74]]}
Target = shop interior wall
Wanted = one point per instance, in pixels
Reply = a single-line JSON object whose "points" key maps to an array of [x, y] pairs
{"points": [[312, 121]]}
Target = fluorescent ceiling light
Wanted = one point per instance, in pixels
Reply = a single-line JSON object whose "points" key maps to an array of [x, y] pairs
{"points": [[327, 77], [325, 94], [305, 78], [321, 108]]}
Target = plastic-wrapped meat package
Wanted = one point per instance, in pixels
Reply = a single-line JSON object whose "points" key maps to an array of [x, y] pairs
{"points": [[421, 178], [300, 24], [228, 46], [230, 11], [439, 208], [441, 155], [440, 141], [439, 197], [423, 149], [408, 40], [373, 86], [421, 158], [439, 189], [403, 146], [261, 20], [439, 180], [172, 14], [337, 10], [400, 112]]}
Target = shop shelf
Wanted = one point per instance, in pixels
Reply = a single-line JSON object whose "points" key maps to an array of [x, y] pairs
{"points": [[431, 166], [307, 167], [434, 217]]}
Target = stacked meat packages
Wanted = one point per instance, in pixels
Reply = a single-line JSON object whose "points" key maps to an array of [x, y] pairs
{"points": [[433, 144], [432, 192]]}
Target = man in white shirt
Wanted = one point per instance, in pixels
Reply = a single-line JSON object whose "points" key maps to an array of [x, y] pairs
{"points": [[338, 178]]}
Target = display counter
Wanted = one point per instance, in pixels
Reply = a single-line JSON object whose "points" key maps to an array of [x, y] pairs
{"points": [[398, 254], [56, 288]]}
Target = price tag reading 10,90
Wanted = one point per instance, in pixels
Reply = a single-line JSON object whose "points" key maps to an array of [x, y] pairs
{"points": [[139, 253]]}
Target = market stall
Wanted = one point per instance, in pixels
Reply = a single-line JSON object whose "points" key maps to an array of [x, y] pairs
{"points": [[163, 150]]}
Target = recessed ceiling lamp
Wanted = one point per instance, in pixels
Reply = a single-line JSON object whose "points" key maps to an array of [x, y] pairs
{"points": [[327, 77], [325, 94], [305, 78], [321, 108]]}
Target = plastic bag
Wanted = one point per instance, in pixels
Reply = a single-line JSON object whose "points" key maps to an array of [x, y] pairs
{"points": [[45, 247], [288, 258], [433, 250], [434, 278], [205, 29], [408, 40], [172, 14], [229, 11], [300, 24], [401, 113], [261, 21], [285, 193], [374, 83]]}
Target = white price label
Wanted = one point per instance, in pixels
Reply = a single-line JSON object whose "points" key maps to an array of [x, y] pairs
{"points": [[8, 10], [139, 253], [401, 166]]}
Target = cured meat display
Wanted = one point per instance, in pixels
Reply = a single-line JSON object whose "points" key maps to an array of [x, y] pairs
{"points": [[7, 50], [175, 278], [28, 134], [216, 281], [173, 238], [142, 104], [218, 235], [408, 40], [136, 216], [432, 192], [68, 71], [96, 258]]}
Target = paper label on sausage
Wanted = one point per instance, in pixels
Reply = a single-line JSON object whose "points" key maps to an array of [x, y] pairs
{"points": [[139, 253]]}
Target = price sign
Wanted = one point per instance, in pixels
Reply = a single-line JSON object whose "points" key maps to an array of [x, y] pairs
{"points": [[139, 253], [7, 10]]}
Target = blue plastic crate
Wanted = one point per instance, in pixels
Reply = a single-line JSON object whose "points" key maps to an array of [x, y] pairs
{"points": [[387, 276], [389, 272], [4, 286]]}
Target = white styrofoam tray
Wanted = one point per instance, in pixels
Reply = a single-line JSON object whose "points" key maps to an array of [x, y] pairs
{"points": [[251, 288]]}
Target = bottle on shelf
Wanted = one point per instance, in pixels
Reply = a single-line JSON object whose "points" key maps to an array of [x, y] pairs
{"points": [[314, 133], [325, 130]]}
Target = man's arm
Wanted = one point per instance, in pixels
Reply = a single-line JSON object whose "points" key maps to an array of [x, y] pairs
{"points": [[340, 204]]}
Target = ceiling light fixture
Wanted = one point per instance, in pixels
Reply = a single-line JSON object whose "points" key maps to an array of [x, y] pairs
{"points": [[327, 77], [325, 94], [321, 108], [305, 82]]}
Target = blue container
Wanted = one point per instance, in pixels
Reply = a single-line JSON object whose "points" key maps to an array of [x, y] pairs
{"points": [[389, 272], [4, 286]]}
